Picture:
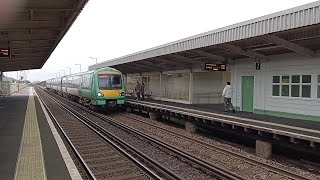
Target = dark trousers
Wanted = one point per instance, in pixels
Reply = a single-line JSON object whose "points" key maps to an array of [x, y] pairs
{"points": [[227, 104], [142, 95], [138, 95]]}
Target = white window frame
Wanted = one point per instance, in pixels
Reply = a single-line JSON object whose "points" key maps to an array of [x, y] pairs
{"points": [[279, 84], [289, 84], [300, 84], [309, 84]]}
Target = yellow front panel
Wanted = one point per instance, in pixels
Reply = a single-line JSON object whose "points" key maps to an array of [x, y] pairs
{"points": [[111, 93]]}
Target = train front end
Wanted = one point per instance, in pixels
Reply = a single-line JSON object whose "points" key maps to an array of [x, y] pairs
{"points": [[110, 91]]}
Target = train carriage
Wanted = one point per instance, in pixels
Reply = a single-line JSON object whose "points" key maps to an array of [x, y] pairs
{"points": [[96, 89]]}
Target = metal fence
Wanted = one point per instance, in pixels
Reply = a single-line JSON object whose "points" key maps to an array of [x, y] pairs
{"points": [[8, 88]]}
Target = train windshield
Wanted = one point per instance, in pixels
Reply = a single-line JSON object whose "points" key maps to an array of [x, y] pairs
{"points": [[110, 81]]}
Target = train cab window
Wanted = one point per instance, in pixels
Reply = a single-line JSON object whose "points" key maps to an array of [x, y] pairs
{"points": [[110, 81]]}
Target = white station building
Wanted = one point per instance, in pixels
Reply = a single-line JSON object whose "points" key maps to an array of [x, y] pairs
{"points": [[272, 62]]}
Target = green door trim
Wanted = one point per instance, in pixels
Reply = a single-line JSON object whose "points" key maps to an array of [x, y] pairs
{"points": [[247, 93]]}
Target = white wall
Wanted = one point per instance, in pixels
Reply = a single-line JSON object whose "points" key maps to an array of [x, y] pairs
{"points": [[176, 87], [208, 86], [286, 64], [154, 85]]}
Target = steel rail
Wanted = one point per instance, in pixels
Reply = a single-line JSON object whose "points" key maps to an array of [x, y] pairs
{"points": [[103, 133], [226, 151], [218, 171], [83, 163]]}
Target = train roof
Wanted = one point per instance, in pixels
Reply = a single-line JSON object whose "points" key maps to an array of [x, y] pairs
{"points": [[87, 72]]}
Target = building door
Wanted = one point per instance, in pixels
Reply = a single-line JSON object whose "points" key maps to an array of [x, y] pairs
{"points": [[247, 93]]}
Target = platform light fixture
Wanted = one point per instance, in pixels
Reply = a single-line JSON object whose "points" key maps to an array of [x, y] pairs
{"points": [[64, 72], [95, 59]]}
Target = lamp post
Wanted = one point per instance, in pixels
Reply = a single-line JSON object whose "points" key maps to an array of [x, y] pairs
{"points": [[69, 69], [79, 65], [95, 59], [64, 72]]}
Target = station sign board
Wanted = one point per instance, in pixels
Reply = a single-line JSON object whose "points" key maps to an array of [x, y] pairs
{"points": [[214, 67], [258, 66], [5, 53]]}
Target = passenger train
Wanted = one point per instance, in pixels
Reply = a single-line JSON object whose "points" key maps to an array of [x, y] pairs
{"points": [[97, 89]]}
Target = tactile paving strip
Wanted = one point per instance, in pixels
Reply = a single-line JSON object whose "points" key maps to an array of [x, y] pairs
{"points": [[30, 164]]}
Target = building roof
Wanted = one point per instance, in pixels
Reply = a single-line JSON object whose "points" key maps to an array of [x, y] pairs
{"points": [[35, 30], [226, 39]]}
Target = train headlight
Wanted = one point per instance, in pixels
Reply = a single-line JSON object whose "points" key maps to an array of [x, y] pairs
{"points": [[121, 94], [100, 94]]}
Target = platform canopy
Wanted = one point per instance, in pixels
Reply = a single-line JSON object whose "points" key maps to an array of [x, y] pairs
{"points": [[33, 30], [294, 30]]}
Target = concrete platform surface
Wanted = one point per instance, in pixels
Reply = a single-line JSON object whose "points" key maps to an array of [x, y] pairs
{"points": [[281, 123], [28, 147]]}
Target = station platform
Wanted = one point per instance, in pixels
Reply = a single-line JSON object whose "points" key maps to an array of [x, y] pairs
{"points": [[214, 113], [219, 108], [30, 145]]}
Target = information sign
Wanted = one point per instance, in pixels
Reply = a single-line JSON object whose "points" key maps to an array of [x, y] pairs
{"points": [[5, 53], [214, 67]]}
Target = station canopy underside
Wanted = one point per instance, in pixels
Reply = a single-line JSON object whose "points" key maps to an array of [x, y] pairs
{"points": [[295, 30], [35, 30], [305, 41]]}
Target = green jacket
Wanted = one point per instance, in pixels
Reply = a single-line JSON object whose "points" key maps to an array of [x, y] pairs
{"points": [[137, 88]]}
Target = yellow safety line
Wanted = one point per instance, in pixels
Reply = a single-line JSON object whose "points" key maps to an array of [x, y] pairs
{"points": [[30, 164]]}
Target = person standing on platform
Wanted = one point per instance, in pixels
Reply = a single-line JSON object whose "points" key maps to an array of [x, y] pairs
{"points": [[142, 90], [227, 94], [137, 89]]}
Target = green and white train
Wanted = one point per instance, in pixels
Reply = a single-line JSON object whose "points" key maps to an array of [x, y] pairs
{"points": [[97, 89]]}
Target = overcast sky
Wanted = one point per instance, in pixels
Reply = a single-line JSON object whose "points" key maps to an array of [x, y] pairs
{"points": [[110, 29]]}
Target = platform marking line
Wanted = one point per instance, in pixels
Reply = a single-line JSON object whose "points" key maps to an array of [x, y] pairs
{"points": [[73, 171], [234, 117], [30, 163]]}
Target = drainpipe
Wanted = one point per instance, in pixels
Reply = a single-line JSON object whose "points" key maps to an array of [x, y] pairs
{"points": [[191, 87], [160, 85], [1, 74]]}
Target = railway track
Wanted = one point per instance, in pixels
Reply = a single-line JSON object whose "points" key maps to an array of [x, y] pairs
{"points": [[179, 163], [276, 172], [100, 157], [152, 127]]}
